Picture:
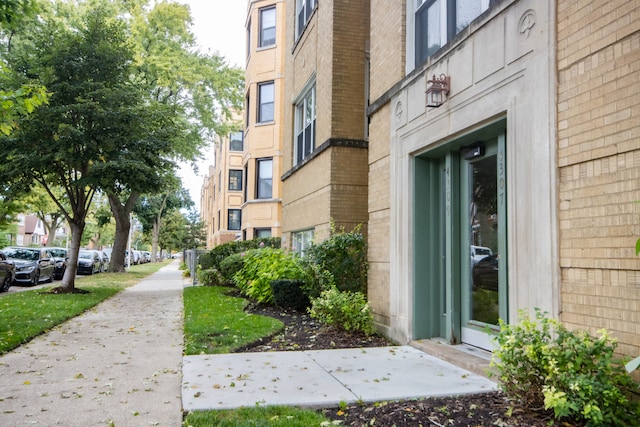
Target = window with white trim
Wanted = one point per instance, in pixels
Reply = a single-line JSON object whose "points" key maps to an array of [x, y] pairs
{"points": [[304, 10], [301, 240], [267, 27], [438, 21], [305, 125], [264, 184], [266, 95]]}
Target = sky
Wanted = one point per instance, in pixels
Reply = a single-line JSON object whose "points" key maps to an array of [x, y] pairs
{"points": [[218, 26]]}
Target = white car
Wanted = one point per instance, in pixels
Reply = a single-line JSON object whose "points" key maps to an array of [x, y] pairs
{"points": [[478, 253]]}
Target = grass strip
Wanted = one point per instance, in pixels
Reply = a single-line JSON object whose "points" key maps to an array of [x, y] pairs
{"points": [[216, 322], [25, 315], [267, 416]]}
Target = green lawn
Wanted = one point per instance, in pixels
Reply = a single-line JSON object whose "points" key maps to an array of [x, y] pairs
{"points": [[269, 416], [25, 315], [215, 322]]}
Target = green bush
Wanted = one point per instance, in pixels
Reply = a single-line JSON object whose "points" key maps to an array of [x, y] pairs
{"points": [[541, 363], [214, 257], [211, 277], [340, 260], [231, 265], [290, 294], [261, 267], [346, 310]]}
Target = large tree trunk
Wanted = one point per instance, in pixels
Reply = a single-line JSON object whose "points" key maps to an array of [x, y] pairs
{"points": [[121, 213], [50, 227], [155, 238], [69, 278]]}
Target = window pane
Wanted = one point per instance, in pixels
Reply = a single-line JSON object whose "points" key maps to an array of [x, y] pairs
{"points": [[305, 125], [467, 11], [434, 29], [266, 102], [262, 233], [300, 147], [235, 180], [267, 27], [236, 143], [265, 179], [234, 219]]}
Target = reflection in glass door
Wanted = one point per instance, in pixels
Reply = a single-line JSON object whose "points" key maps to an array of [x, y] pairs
{"points": [[482, 213]]}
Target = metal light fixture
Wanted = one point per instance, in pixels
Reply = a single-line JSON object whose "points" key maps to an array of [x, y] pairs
{"points": [[437, 91]]}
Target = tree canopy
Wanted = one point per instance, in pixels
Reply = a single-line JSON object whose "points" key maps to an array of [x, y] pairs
{"points": [[129, 97]]}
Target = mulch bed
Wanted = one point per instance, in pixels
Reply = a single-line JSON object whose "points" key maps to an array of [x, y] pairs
{"points": [[301, 332]]}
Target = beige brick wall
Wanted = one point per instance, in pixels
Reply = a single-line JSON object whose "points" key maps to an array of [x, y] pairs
{"points": [[388, 32], [599, 161], [264, 140], [379, 215], [332, 185]]}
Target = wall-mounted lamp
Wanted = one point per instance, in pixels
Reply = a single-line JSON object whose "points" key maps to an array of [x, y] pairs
{"points": [[437, 91]]}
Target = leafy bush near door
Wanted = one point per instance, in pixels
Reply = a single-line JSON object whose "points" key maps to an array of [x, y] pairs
{"points": [[261, 267], [540, 363], [340, 260]]}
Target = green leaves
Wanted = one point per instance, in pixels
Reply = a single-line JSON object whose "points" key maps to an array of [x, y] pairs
{"points": [[343, 309], [542, 363], [261, 267]]}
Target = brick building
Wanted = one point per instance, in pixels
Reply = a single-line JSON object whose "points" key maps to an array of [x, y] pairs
{"points": [[324, 175], [598, 149], [516, 192], [533, 157], [264, 94], [221, 196]]}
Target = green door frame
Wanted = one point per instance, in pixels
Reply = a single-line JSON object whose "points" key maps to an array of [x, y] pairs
{"points": [[438, 236]]}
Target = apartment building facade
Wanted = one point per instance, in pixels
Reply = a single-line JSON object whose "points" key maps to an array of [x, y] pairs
{"points": [[264, 106], [221, 196], [324, 178], [509, 126]]}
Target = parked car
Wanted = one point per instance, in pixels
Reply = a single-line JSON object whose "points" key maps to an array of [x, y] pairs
{"points": [[33, 265], [485, 273], [146, 256], [88, 262], [478, 253], [61, 258], [104, 261], [7, 272]]}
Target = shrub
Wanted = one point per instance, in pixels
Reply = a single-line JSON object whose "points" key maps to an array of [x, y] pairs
{"points": [[290, 294], [346, 310], [261, 267], [214, 257], [340, 260], [211, 277], [542, 363], [231, 265]]}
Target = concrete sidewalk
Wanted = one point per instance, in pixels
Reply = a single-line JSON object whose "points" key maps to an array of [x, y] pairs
{"points": [[119, 364], [321, 378]]}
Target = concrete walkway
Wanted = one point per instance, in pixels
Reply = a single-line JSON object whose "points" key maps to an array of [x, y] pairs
{"points": [[321, 378], [121, 364]]}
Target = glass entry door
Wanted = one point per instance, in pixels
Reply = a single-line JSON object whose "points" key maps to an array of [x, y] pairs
{"points": [[483, 240]]}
